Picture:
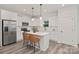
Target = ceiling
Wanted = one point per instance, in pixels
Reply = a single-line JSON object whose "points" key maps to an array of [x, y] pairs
{"points": [[27, 8]]}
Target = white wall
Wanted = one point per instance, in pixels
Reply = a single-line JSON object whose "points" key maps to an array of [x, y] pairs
{"points": [[67, 25]]}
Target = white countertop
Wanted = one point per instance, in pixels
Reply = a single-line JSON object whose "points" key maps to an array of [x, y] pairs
{"points": [[39, 33]]}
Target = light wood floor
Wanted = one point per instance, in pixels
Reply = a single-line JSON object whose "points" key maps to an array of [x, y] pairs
{"points": [[54, 48]]}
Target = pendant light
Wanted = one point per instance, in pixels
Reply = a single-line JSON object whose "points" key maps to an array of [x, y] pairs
{"points": [[32, 14], [40, 11]]}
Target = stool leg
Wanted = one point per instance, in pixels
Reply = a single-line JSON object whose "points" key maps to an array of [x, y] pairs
{"points": [[23, 42], [27, 44], [34, 47], [39, 44]]}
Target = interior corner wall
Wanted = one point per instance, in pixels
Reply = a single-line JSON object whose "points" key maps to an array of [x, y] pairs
{"points": [[0, 30], [78, 24]]}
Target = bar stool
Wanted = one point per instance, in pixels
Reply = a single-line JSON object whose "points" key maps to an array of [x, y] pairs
{"points": [[26, 38], [34, 39]]}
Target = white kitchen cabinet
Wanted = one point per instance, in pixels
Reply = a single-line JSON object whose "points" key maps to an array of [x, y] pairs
{"points": [[8, 15]]}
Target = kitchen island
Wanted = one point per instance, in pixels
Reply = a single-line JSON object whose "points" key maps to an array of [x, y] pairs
{"points": [[44, 39]]}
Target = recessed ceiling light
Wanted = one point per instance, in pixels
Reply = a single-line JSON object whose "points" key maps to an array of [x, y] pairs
{"points": [[40, 18], [32, 19], [24, 9]]}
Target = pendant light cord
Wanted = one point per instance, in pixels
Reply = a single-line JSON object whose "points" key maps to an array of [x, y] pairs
{"points": [[40, 10], [32, 12]]}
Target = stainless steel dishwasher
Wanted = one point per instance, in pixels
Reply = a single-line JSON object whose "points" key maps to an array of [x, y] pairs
{"points": [[8, 32]]}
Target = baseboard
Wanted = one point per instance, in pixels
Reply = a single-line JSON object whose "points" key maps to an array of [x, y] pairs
{"points": [[19, 40], [75, 45]]}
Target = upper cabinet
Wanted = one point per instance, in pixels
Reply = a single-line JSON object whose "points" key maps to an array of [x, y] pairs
{"points": [[23, 18], [8, 15]]}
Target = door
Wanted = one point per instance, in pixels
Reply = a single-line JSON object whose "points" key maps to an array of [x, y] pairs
{"points": [[67, 30]]}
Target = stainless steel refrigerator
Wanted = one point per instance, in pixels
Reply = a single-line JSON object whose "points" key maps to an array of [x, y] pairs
{"points": [[8, 32]]}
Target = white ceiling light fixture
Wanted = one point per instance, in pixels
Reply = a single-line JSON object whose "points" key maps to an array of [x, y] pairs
{"points": [[24, 9], [32, 14], [32, 19], [40, 11]]}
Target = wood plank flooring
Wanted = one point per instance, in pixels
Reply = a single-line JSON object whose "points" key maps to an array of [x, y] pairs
{"points": [[54, 48]]}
